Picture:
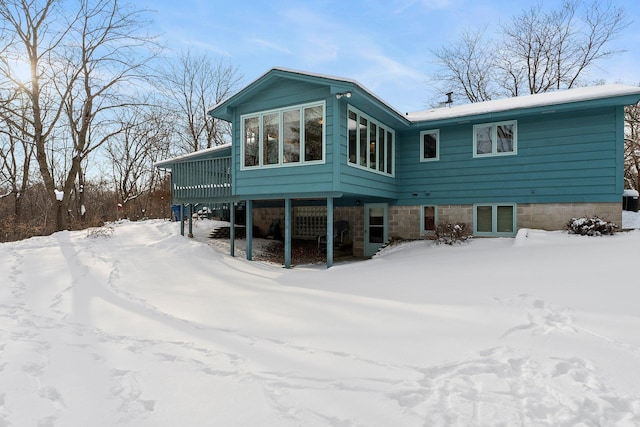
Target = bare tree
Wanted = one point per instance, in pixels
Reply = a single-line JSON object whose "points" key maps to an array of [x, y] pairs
{"points": [[83, 57], [111, 60], [468, 67], [16, 155], [192, 85], [539, 50], [144, 140], [34, 39]]}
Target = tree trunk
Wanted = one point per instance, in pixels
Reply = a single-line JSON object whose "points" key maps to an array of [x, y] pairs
{"points": [[60, 215], [81, 207]]}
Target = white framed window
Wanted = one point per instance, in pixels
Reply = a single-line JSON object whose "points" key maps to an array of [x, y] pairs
{"points": [[288, 136], [494, 219], [495, 139], [428, 219], [429, 145], [370, 144]]}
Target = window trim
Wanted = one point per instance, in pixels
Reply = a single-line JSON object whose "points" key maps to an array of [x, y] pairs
{"points": [[437, 134], [494, 139], [280, 111], [424, 232], [494, 219], [379, 125]]}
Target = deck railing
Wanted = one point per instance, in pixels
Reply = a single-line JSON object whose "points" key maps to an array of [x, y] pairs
{"points": [[202, 179]]}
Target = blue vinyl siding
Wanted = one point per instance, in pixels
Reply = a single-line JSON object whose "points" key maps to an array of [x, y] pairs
{"points": [[294, 178], [564, 158], [334, 175], [566, 152], [360, 181]]}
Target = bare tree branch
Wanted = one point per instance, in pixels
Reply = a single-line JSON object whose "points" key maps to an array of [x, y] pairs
{"points": [[539, 50], [192, 84]]}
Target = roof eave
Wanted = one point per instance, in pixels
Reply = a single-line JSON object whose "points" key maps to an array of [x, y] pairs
{"points": [[224, 109], [509, 113]]}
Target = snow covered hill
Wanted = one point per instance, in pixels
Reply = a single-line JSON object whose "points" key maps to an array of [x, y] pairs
{"points": [[135, 325]]}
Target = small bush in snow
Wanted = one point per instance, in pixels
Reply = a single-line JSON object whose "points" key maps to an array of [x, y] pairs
{"points": [[104, 231], [593, 226], [452, 233]]}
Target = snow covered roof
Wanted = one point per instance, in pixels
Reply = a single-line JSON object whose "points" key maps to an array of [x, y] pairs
{"points": [[529, 101], [503, 105], [168, 162]]}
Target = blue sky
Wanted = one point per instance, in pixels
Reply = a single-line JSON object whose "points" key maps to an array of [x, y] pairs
{"points": [[383, 44]]}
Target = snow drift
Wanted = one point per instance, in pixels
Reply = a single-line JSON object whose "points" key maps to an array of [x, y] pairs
{"points": [[138, 326]]}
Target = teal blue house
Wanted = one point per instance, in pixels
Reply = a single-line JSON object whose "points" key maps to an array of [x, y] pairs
{"points": [[310, 150]]}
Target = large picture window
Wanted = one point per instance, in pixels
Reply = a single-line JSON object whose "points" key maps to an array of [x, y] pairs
{"points": [[495, 139], [370, 143], [495, 219], [289, 136]]}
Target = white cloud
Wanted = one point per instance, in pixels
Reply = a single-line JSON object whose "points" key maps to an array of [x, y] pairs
{"points": [[269, 45], [207, 47]]}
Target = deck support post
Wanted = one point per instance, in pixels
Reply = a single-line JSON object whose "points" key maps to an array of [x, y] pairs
{"points": [[249, 229], [232, 228], [329, 231], [182, 219], [190, 220], [287, 233]]}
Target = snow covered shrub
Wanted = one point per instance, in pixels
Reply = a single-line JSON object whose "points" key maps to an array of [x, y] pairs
{"points": [[104, 231], [593, 226], [452, 233]]}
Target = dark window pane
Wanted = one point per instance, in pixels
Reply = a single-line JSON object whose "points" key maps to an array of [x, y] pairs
{"points": [[483, 140], [505, 219], [381, 150], [505, 139], [352, 125], [373, 130], [363, 142], [313, 123], [376, 235], [483, 219], [291, 136], [271, 139], [429, 218], [429, 146], [389, 153], [251, 141]]}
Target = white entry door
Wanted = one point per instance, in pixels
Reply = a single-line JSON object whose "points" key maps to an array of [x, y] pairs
{"points": [[375, 227]]}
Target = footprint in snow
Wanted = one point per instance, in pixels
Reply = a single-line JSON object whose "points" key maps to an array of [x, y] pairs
{"points": [[543, 318], [521, 390]]}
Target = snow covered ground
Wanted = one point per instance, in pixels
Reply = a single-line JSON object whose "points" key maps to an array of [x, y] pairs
{"points": [[138, 326]]}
